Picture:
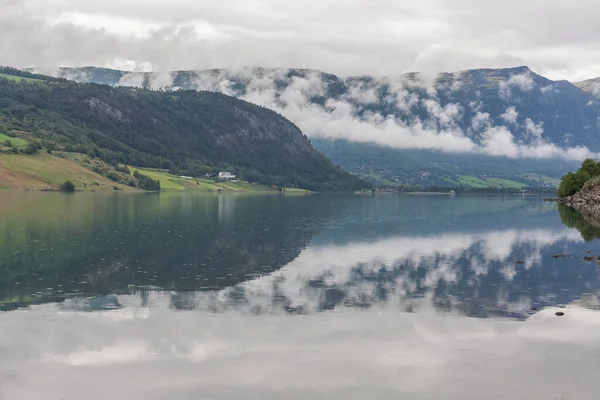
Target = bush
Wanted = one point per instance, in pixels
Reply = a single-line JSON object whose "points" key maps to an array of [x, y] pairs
{"points": [[31, 149], [68, 186], [113, 176]]}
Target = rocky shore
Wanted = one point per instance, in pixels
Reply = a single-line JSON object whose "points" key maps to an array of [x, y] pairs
{"points": [[587, 200]]}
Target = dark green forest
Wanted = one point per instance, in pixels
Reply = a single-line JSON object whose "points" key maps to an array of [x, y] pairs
{"points": [[186, 132]]}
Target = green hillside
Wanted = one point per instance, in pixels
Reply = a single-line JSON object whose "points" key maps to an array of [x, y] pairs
{"points": [[184, 132]]}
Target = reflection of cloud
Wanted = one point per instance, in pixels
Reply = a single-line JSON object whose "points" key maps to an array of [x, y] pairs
{"points": [[349, 354], [396, 269], [133, 351]]}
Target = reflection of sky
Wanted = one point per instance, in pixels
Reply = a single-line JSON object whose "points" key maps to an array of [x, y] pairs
{"points": [[155, 353]]}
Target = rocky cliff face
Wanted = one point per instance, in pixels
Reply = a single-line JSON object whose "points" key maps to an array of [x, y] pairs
{"points": [[587, 200]]}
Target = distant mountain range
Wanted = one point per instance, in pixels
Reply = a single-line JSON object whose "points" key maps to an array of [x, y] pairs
{"points": [[485, 127]]}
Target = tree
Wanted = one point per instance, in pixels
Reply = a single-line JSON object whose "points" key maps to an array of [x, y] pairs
{"points": [[591, 167], [572, 183], [68, 186], [8, 143], [145, 182]]}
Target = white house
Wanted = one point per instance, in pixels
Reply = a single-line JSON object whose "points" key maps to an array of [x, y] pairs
{"points": [[226, 176]]}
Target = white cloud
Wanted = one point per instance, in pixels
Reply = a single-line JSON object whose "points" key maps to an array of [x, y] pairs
{"points": [[480, 122], [534, 131], [446, 117], [510, 115], [523, 82], [350, 37]]}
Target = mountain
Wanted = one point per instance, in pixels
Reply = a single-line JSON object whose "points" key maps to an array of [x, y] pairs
{"points": [[591, 86], [188, 132], [433, 130]]}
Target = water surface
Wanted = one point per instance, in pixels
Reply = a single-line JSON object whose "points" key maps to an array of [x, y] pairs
{"points": [[266, 297]]}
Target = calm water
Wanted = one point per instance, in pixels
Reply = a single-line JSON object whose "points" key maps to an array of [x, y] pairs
{"points": [[184, 296]]}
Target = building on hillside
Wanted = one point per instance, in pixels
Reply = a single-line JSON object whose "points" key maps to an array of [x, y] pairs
{"points": [[226, 176]]}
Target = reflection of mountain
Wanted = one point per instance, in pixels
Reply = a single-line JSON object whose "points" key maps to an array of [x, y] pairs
{"points": [[120, 243]]}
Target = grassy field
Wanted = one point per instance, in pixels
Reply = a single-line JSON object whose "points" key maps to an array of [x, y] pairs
{"points": [[380, 179], [173, 182], [472, 181], [546, 180], [167, 181], [17, 142], [496, 183], [45, 171], [19, 78], [461, 180], [505, 183], [48, 171]]}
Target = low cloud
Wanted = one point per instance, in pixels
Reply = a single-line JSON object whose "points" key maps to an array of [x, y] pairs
{"points": [[523, 82], [510, 115], [403, 112], [348, 116]]}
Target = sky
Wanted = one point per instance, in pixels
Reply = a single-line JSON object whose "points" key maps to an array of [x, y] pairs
{"points": [[555, 38]]}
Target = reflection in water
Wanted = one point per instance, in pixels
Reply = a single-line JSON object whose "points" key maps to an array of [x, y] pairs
{"points": [[588, 226], [227, 297], [482, 257], [119, 244], [495, 273], [154, 353]]}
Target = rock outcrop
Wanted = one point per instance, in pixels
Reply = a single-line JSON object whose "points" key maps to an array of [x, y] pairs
{"points": [[587, 200]]}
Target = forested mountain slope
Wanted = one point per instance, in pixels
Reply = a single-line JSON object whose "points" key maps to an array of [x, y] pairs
{"points": [[185, 131]]}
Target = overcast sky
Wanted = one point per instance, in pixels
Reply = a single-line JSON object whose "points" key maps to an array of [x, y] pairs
{"points": [[556, 38]]}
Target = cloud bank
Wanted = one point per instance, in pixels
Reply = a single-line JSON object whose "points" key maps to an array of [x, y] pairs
{"points": [[400, 112], [351, 37]]}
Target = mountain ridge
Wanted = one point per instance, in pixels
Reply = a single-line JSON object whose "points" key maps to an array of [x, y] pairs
{"points": [[509, 113]]}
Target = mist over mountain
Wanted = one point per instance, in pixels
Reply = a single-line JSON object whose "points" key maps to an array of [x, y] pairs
{"points": [[590, 85], [501, 122]]}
